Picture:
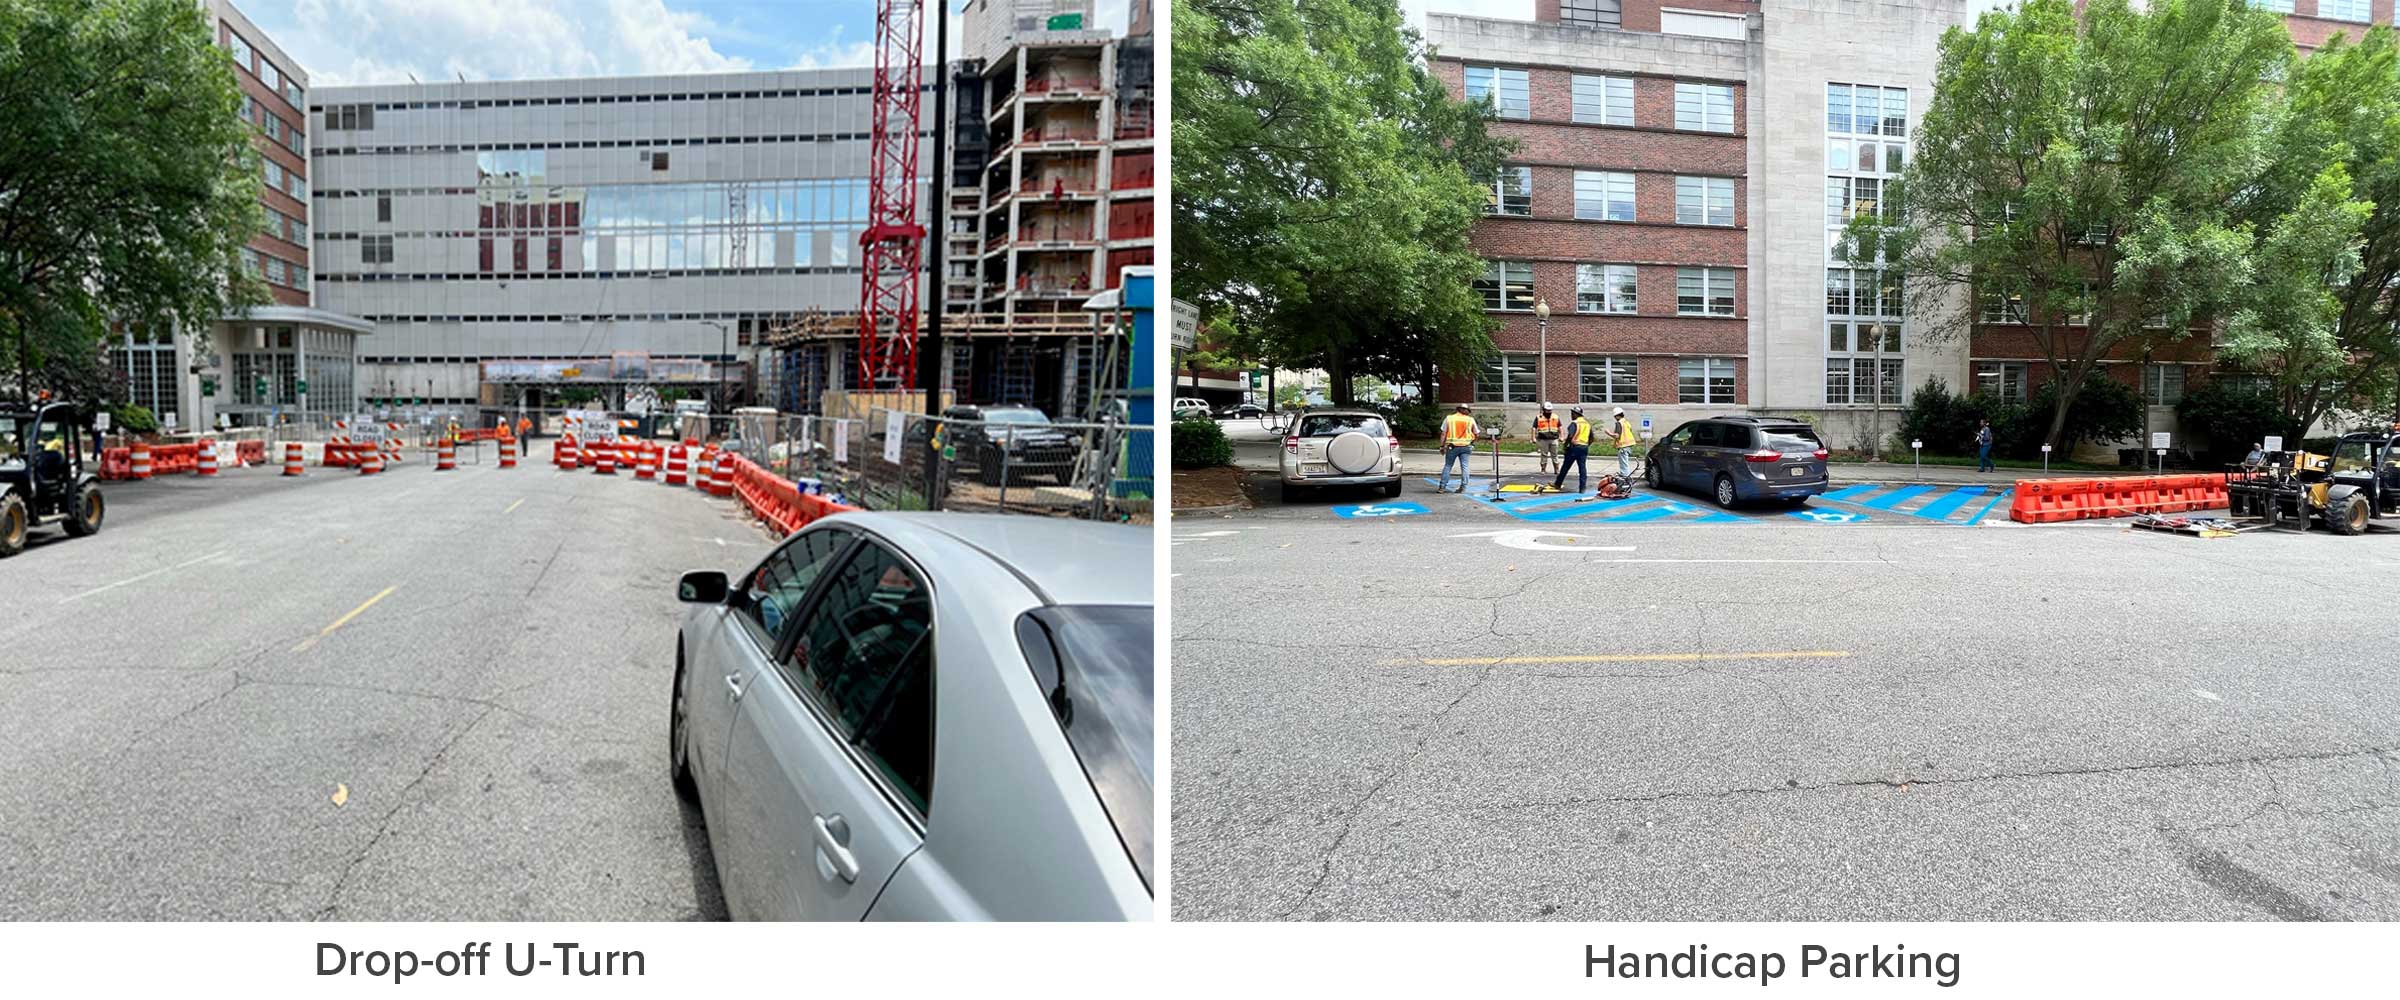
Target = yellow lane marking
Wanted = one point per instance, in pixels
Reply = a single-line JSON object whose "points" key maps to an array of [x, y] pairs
{"points": [[1488, 661], [512, 508], [311, 641]]}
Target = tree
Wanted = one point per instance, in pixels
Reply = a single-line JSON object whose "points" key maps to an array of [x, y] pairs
{"points": [[2316, 316], [1325, 183], [2082, 171], [128, 184]]}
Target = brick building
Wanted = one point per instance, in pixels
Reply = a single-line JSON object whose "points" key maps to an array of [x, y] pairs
{"points": [[1684, 169]]}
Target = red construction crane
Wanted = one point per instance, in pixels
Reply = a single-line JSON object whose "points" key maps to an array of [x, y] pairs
{"points": [[894, 241]]}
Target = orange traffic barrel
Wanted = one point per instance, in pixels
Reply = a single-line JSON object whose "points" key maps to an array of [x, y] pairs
{"points": [[294, 463], [677, 465], [508, 453], [445, 455], [207, 465], [141, 460]]}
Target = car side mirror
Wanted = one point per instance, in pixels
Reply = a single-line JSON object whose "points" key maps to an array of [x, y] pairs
{"points": [[705, 586]]}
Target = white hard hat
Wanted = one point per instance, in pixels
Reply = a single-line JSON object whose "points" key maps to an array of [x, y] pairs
{"points": [[1545, 404], [1619, 411]]}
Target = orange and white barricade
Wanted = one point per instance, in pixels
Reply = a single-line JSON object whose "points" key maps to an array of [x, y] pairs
{"points": [[141, 460], [508, 453], [207, 462], [371, 462], [294, 462], [645, 461], [562, 452], [445, 455], [678, 463], [704, 472], [721, 483], [604, 459]]}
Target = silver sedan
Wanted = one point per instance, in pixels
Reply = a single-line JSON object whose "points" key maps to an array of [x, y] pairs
{"points": [[925, 717]]}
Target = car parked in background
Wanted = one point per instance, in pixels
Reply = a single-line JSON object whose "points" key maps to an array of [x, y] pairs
{"points": [[1241, 411], [901, 716], [1012, 441], [1738, 460], [1192, 408], [1324, 448]]}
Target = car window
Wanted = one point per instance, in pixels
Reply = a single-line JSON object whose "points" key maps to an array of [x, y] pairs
{"points": [[775, 589], [1682, 435], [1016, 416], [865, 655], [1790, 439], [1330, 424], [1705, 435], [1103, 656]]}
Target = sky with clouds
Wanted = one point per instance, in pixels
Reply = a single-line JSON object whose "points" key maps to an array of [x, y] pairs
{"points": [[386, 41]]}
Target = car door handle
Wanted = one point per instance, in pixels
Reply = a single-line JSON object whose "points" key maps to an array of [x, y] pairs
{"points": [[833, 849], [733, 686]]}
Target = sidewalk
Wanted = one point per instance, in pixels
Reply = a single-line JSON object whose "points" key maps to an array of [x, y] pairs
{"points": [[1262, 456]]}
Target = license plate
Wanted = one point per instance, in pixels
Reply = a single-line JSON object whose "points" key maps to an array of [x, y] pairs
{"points": [[1314, 468], [1799, 470]]}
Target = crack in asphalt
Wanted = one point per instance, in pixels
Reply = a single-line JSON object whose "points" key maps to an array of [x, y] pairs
{"points": [[399, 802], [1902, 782]]}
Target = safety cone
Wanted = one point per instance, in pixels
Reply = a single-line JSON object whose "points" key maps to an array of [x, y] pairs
{"points": [[645, 462], [605, 461], [445, 455], [562, 452], [704, 472], [508, 453], [677, 465], [723, 477], [141, 460], [208, 457], [371, 463], [294, 463]]}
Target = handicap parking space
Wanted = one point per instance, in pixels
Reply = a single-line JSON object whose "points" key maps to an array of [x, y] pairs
{"points": [[1887, 502]]}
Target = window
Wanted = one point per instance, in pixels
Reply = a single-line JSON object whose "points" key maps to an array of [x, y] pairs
{"points": [[1506, 284], [658, 161], [383, 208], [774, 590], [296, 187], [1847, 198], [1510, 93], [291, 93], [1609, 380], [268, 75], [1704, 291], [275, 275], [250, 261], [1704, 107], [274, 127], [1101, 655], [1602, 100], [298, 231], [1853, 380], [2002, 308], [1704, 201], [2003, 380], [1604, 196], [2278, 6], [1507, 378], [1604, 288], [374, 249], [2163, 384], [1591, 13], [865, 656], [2341, 10], [274, 175], [1864, 110], [1512, 192], [1704, 380], [241, 51]]}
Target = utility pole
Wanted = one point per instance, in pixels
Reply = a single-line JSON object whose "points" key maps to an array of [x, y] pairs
{"points": [[931, 353]]}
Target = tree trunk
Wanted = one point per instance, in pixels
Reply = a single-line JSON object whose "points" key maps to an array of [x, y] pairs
{"points": [[1337, 368], [2070, 385]]}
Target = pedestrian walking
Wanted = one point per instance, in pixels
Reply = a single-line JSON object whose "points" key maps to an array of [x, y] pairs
{"points": [[1458, 445], [1983, 446], [1545, 437], [1579, 448], [1622, 435]]}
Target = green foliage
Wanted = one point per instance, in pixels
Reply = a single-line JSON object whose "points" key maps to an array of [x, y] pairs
{"points": [[131, 419], [2102, 409], [128, 183], [1418, 420], [578, 395], [1324, 186], [2230, 418], [2105, 149], [2105, 410], [1200, 444]]}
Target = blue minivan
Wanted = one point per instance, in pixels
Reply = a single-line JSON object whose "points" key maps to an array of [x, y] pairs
{"points": [[1741, 459]]}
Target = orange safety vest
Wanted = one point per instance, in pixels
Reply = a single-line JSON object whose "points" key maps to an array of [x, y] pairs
{"points": [[1458, 429], [1545, 425]]}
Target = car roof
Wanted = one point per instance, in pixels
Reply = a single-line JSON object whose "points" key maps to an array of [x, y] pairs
{"points": [[1069, 561]]}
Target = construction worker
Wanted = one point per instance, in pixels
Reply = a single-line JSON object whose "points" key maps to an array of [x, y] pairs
{"points": [[1545, 437], [523, 427], [1458, 445], [1579, 448], [1621, 433]]}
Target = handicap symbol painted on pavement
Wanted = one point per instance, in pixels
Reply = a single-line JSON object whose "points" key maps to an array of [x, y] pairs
{"points": [[1827, 515], [1378, 509]]}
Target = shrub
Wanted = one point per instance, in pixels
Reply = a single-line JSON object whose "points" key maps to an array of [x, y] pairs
{"points": [[2105, 410], [1418, 420], [133, 419], [1947, 422], [1200, 444], [2229, 418]]}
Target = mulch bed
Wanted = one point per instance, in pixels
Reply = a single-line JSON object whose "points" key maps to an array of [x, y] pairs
{"points": [[1215, 487]]}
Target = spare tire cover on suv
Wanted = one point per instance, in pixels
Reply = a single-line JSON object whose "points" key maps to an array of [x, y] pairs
{"points": [[1353, 452]]}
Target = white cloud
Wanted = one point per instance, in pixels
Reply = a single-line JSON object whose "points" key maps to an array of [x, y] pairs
{"points": [[372, 41]]}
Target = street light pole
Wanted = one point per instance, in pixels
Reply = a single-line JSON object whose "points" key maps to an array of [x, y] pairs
{"points": [[1541, 362], [723, 333]]}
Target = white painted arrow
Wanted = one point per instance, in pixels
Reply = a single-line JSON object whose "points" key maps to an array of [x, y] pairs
{"points": [[1531, 539]]}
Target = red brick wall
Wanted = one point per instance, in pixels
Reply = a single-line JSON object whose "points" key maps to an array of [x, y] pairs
{"points": [[2309, 31], [2018, 343], [1563, 382], [267, 100], [1642, 15]]}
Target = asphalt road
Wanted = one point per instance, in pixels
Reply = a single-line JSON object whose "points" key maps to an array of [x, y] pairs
{"points": [[1403, 717], [480, 659]]}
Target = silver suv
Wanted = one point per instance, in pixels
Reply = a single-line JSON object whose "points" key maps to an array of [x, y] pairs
{"points": [[1340, 448]]}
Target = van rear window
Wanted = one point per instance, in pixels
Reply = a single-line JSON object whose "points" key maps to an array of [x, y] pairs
{"points": [[1791, 439]]}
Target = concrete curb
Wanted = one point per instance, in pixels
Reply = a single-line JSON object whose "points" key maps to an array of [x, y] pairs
{"points": [[1224, 508]]}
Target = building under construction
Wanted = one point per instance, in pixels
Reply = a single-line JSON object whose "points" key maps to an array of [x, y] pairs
{"points": [[1047, 197]]}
